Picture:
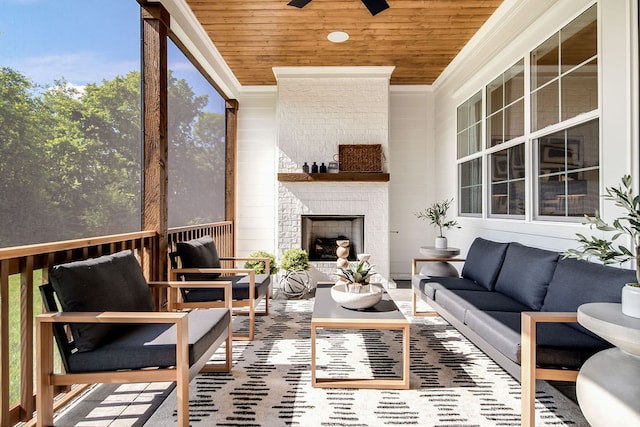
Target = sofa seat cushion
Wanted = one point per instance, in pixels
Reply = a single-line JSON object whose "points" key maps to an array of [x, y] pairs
{"points": [[108, 283], [457, 302], [199, 253], [240, 289], [559, 345], [526, 273], [483, 262], [429, 284], [153, 345]]}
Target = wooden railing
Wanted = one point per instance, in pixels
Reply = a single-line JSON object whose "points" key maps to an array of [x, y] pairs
{"points": [[22, 265]]}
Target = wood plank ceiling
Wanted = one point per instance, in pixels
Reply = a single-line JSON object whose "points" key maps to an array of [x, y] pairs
{"points": [[418, 37]]}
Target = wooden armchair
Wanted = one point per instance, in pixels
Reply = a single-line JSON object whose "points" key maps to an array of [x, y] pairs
{"points": [[198, 259], [115, 337]]}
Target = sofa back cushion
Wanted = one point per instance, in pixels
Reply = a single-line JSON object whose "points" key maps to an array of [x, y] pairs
{"points": [[483, 262], [199, 253], [108, 283], [577, 282], [526, 273]]}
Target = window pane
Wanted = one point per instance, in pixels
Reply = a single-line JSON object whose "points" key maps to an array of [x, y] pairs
{"points": [[514, 83], [494, 129], [584, 144], [544, 106], [499, 198], [580, 90], [567, 183], [463, 117], [544, 62], [69, 121], [470, 174], [507, 181], [514, 121], [516, 198], [470, 126], [463, 143], [580, 39], [196, 145], [494, 96]]}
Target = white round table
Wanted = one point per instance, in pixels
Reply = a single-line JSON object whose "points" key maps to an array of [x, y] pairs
{"points": [[608, 387], [439, 266]]}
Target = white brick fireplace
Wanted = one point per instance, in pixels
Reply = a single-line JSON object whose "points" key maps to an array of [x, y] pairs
{"points": [[317, 109]]}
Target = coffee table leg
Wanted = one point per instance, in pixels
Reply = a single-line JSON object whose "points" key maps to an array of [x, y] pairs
{"points": [[313, 355]]}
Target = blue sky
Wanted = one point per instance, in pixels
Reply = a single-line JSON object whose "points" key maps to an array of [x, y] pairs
{"points": [[84, 41]]}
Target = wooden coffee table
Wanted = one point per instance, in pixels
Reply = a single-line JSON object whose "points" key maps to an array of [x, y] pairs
{"points": [[384, 315]]}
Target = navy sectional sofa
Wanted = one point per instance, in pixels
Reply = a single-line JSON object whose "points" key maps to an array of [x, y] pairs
{"points": [[509, 291]]}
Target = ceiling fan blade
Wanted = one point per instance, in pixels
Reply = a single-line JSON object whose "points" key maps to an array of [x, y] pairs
{"points": [[375, 6], [298, 3]]}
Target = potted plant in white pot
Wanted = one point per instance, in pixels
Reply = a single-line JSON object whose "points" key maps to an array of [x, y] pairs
{"points": [[436, 214], [606, 251], [295, 283], [259, 266]]}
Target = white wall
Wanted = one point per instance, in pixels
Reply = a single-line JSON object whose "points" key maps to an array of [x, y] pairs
{"points": [[412, 180], [256, 186]]}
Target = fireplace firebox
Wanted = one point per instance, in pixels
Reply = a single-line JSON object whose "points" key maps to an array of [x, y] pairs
{"points": [[320, 233]]}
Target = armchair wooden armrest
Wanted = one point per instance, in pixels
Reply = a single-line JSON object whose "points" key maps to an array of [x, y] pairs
{"points": [[175, 285], [529, 371], [267, 261]]}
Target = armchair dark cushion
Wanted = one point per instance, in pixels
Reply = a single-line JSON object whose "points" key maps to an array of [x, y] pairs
{"points": [[526, 273], [199, 253], [483, 262], [108, 283]]}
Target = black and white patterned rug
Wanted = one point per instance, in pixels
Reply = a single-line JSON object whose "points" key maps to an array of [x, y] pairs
{"points": [[452, 382]]}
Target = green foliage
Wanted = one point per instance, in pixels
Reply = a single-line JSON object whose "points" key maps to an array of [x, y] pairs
{"points": [[357, 272], [70, 158], [295, 259], [259, 266], [436, 214], [628, 224]]}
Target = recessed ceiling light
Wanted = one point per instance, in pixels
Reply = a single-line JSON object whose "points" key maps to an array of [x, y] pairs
{"points": [[338, 36]]}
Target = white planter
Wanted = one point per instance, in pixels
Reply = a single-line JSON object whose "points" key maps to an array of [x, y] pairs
{"points": [[441, 243], [631, 300]]}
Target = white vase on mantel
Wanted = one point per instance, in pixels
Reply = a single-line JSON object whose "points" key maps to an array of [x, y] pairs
{"points": [[441, 243], [631, 300]]}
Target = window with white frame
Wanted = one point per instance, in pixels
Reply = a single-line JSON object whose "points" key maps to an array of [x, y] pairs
{"points": [[562, 132]]}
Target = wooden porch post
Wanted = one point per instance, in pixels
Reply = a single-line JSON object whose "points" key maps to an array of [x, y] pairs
{"points": [[231, 137], [155, 26]]}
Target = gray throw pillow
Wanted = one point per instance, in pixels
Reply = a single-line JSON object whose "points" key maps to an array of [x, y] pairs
{"points": [[483, 262], [108, 283], [199, 253], [526, 273]]}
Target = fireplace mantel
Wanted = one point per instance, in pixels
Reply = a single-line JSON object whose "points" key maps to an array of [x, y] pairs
{"points": [[333, 177]]}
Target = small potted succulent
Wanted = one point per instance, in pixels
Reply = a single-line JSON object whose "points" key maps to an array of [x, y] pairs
{"points": [[604, 249], [295, 283], [356, 275], [436, 214]]}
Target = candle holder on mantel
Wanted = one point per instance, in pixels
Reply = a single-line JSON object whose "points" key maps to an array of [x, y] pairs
{"points": [[343, 253]]}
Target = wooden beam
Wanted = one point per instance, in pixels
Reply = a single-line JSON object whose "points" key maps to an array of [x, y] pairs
{"points": [[155, 19], [231, 139]]}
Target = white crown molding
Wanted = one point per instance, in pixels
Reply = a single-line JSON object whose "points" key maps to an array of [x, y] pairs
{"points": [[411, 88], [187, 28], [333, 72]]}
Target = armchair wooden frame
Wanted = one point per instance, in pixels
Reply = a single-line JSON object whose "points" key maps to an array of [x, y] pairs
{"points": [[176, 302], [529, 371], [47, 379]]}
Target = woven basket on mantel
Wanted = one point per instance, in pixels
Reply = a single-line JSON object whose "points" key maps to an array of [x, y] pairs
{"points": [[360, 157]]}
